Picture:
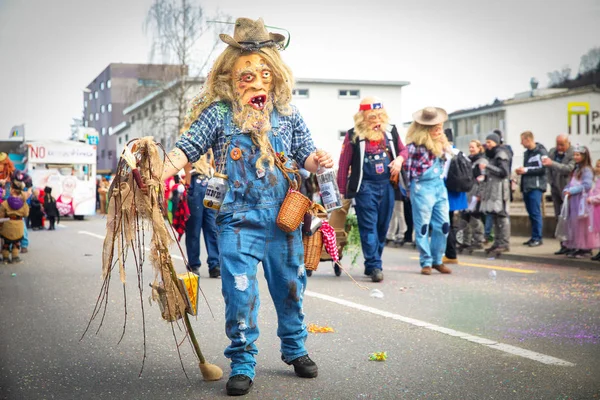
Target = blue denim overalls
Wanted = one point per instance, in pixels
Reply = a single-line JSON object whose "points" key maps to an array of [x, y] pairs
{"points": [[429, 201], [374, 207], [201, 218], [248, 235]]}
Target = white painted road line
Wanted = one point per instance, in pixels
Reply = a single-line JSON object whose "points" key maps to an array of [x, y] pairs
{"points": [[492, 344], [175, 256]]}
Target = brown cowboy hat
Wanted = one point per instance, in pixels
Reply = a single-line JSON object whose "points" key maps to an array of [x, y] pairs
{"points": [[430, 116], [252, 35]]}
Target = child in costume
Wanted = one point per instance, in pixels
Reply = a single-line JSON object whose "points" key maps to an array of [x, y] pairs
{"points": [[427, 145], [374, 151], [50, 208], [580, 239], [15, 208], [594, 200], [244, 114]]}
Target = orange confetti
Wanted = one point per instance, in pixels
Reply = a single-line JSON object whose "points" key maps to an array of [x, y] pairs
{"points": [[314, 328]]}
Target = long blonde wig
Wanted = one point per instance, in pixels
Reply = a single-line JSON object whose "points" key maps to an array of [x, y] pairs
{"points": [[219, 86], [420, 136]]}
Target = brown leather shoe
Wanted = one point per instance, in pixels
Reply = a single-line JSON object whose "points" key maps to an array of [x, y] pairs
{"points": [[426, 270], [443, 269], [24, 250], [447, 260]]}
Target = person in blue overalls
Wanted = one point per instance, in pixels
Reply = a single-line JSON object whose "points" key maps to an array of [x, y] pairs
{"points": [[373, 152], [427, 145], [244, 114], [200, 219]]}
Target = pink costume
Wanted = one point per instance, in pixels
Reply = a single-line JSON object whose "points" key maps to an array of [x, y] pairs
{"points": [[64, 208], [580, 236], [594, 197]]}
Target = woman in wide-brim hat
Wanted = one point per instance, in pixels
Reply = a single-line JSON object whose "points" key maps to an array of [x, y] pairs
{"points": [[426, 145]]}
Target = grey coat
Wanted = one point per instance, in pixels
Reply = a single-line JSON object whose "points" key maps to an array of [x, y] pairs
{"points": [[478, 188], [558, 173], [495, 198]]}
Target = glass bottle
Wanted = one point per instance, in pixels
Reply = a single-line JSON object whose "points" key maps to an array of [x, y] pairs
{"points": [[330, 192], [215, 191]]}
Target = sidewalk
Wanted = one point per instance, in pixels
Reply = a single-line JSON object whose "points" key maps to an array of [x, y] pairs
{"points": [[542, 254]]}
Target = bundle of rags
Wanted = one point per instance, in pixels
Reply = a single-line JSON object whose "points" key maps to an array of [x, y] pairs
{"points": [[135, 202]]}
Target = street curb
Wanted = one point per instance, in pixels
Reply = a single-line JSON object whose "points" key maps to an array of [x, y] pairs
{"points": [[585, 264]]}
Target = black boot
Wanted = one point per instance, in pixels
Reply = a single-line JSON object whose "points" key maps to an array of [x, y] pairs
{"points": [[563, 250], [238, 385], [304, 367], [596, 257]]}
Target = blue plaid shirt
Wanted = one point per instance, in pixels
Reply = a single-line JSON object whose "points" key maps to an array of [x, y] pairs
{"points": [[208, 131]]}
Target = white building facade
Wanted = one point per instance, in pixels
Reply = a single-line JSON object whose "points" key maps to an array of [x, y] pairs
{"points": [[327, 106], [545, 112]]}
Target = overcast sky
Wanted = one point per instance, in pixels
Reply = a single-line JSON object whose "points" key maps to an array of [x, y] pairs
{"points": [[456, 54]]}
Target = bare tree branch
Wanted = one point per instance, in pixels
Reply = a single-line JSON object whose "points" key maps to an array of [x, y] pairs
{"points": [[180, 34]]}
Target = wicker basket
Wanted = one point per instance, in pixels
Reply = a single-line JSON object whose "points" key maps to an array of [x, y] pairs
{"points": [[292, 211], [313, 246]]}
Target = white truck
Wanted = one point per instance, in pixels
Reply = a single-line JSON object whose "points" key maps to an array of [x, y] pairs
{"points": [[69, 168]]}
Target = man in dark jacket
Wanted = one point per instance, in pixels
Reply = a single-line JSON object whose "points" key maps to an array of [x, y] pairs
{"points": [[533, 185], [559, 165]]}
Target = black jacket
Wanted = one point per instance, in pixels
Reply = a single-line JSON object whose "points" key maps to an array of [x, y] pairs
{"points": [[535, 177]]}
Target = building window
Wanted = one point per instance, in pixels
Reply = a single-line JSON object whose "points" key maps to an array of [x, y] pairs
{"points": [[153, 108], [108, 84], [126, 137], [300, 93], [102, 85], [132, 119], [349, 94], [139, 116], [145, 112], [90, 96], [110, 130], [103, 131], [148, 82], [97, 116], [96, 94], [160, 104], [91, 118], [85, 104], [109, 107], [85, 123], [120, 140], [102, 153], [342, 135], [110, 154], [102, 108]]}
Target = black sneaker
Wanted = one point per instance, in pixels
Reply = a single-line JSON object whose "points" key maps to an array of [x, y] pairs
{"points": [[304, 367], [215, 272], [238, 385], [376, 275], [563, 250], [536, 243], [527, 242]]}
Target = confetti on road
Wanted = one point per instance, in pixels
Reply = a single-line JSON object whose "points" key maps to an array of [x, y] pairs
{"points": [[314, 328], [378, 356]]}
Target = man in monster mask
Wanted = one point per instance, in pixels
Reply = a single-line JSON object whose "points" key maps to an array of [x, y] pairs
{"points": [[244, 114], [372, 154]]}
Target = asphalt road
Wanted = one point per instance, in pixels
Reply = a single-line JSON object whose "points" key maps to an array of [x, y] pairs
{"points": [[530, 332]]}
